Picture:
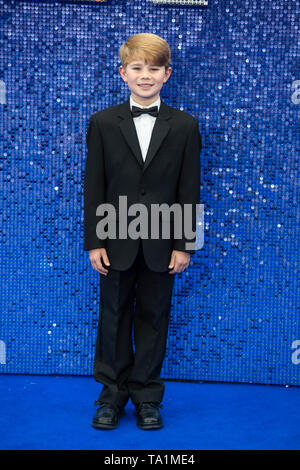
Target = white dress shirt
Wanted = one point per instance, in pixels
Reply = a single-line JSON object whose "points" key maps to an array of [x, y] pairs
{"points": [[144, 125]]}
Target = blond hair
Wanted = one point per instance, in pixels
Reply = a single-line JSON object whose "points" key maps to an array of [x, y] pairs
{"points": [[154, 49]]}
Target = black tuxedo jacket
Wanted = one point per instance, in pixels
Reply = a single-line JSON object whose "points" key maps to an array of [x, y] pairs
{"points": [[115, 167]]}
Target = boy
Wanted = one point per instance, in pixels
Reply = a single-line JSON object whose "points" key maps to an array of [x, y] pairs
{"points": [[150, 156]]}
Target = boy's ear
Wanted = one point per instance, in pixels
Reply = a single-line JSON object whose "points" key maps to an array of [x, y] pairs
{"points": [[168, 73], [122, 73]]}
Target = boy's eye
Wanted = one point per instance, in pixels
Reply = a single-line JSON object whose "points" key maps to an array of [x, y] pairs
{"points": [[138, 68]]}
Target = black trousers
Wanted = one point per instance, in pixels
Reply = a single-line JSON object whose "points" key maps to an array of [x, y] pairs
{"points": [[123, 373]]}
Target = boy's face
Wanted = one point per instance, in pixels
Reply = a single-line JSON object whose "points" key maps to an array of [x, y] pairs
{"points": [[138, 73]]}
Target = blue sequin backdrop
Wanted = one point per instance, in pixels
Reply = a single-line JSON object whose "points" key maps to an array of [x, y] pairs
{"points": [[235, 311]]}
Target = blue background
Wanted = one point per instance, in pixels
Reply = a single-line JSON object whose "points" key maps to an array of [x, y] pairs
{"points": [[235, 311]]}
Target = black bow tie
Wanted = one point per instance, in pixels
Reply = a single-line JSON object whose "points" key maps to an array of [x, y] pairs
{"points": [[136, 111]]}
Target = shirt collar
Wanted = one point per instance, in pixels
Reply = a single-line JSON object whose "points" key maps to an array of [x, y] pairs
{"points": [[134, 103]]}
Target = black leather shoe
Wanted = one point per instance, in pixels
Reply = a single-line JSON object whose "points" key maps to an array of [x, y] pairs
{"points": [[148, 415], [107, 416]]}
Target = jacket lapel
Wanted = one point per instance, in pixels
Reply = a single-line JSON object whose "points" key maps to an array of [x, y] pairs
{"points": [[160, 130]]}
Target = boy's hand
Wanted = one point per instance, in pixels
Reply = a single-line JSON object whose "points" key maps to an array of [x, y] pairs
{"points": [[98, 256], [179, 261]]}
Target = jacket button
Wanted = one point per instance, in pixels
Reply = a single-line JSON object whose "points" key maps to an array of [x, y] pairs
{"points": [[143, 192]]}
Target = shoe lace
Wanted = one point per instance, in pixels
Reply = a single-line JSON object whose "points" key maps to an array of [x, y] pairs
{"points": [[153, 404], [101, 404]]}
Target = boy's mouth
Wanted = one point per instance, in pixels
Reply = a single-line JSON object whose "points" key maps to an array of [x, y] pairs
{"points": [[146, 86]]}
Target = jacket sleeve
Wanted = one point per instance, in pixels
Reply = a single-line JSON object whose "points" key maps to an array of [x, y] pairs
{"points": [[94, 186], [188, 189]]}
